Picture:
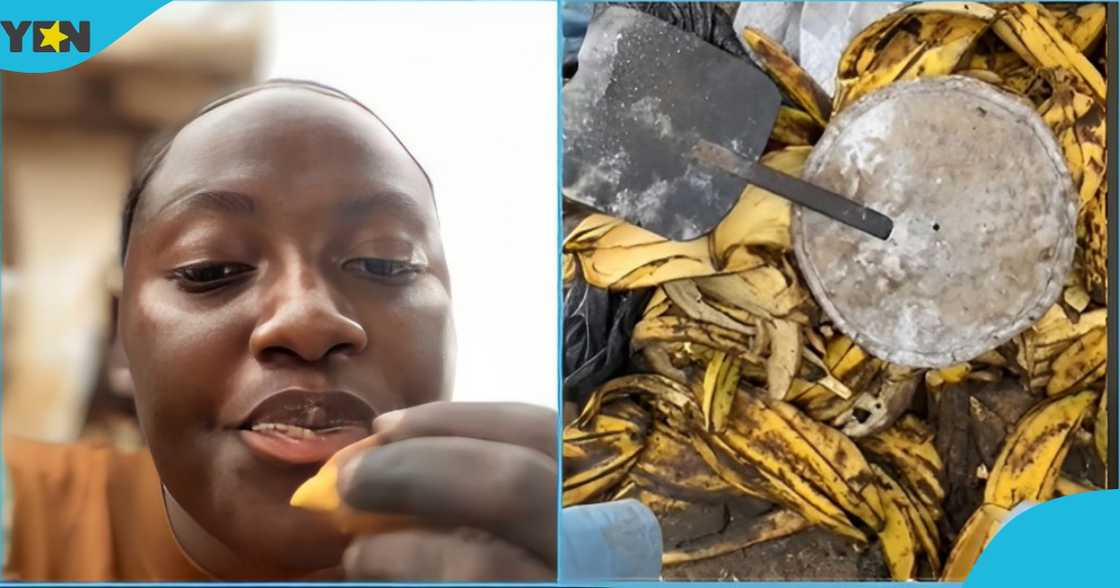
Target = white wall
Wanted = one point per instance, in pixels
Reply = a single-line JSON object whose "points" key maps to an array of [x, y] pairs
{"points": [[471, 88]]}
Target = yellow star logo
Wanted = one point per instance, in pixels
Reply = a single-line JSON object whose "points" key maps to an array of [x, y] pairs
{"points": [[52, 37]]}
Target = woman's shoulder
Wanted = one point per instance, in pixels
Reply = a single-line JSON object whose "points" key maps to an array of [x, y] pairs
{"points": [[62, 477], [66, 467], [48, 487], [29, 455]]}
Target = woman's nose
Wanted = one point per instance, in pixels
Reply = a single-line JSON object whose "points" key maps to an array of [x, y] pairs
{"points": [[302, 319]]}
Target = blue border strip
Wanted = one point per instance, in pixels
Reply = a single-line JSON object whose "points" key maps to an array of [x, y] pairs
{"points": [[3, 356], [559, 286], [1112, 386]]}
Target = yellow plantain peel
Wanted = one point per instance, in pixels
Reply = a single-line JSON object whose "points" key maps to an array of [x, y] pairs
{"points": [[320, 494]]}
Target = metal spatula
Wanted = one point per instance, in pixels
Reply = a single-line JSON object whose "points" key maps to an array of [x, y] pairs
{"points": [[664, 130]]}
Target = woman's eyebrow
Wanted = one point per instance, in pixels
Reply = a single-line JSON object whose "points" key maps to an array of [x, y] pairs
{"points": [[390, 201], [216, 200]]}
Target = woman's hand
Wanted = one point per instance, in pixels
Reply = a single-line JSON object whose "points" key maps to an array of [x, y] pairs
{"points": [[481, 480]]}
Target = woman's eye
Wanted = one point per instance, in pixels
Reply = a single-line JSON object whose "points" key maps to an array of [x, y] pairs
{"points": [[385, 269], [207, 276]]}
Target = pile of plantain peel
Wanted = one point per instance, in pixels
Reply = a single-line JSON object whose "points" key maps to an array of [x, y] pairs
{"points": [[746, 421]]}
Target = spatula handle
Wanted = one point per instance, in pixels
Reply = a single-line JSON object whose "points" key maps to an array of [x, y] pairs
{"points": [[828, 203]]}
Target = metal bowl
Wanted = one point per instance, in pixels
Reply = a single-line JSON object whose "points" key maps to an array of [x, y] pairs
{"points": [[984, 210]]}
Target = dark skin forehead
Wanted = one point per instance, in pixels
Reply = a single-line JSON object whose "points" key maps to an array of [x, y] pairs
{"points": [[239, 141]]}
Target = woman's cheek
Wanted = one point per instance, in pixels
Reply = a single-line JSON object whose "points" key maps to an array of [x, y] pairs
{"points": [[174, 348], [415, 333]]}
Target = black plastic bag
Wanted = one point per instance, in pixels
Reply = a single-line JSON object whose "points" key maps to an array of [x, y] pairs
{"points": [[597, 329], [705, 19]]}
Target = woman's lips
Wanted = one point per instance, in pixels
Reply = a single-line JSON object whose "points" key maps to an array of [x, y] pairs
{"points": [[310, 409], [301, 427], [299, 446]]}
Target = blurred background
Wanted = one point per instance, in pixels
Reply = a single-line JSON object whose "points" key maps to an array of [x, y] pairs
{"points": [[470, 89]]}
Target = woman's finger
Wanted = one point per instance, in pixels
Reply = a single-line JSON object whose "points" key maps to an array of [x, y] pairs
{"points": [[505, 422], [429, 554], [507, 490]]}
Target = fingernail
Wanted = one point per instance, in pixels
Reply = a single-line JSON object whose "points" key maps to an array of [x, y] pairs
{"points": [[387, 421]]}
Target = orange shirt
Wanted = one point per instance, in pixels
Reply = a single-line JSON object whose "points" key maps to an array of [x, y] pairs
{"points": [[87, 512]]}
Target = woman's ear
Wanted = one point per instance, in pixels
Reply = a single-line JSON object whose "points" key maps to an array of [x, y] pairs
{"points": [[119, 376], [114, 316], [114, 278], [116, 363]]}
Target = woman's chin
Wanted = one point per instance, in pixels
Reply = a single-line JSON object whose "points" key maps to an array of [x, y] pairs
{"points": [[302, 543]]}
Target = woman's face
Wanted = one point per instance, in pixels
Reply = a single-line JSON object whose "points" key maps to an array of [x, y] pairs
{"points": [[284, 283]]}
